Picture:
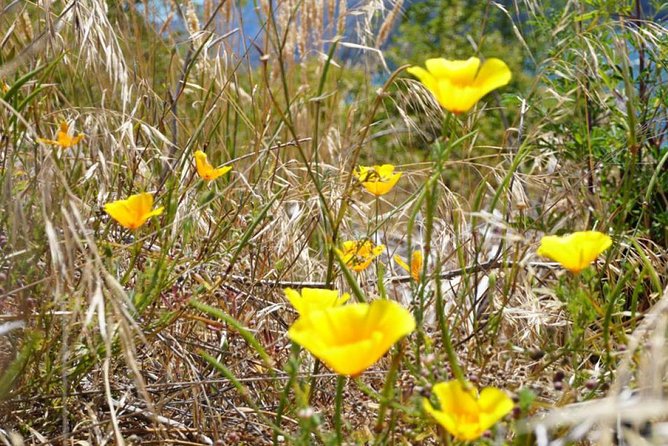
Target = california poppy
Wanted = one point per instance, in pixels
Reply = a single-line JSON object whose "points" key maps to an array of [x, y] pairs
{"points": [[351, 338], [358, 254], [204, 168], [459, 84], [574, 251], [378, 180], [465, 413], [63, 137], [416, 264], [134, 211]]}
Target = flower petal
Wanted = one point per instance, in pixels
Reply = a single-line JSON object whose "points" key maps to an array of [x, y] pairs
{"points": [[48, 141], [458, 71], [134, 211], [122, 213], [351, 338], [401, 263], [575, 251], [443, 418], [458, 85], [454, 398], [427, 79], [494, 405], [312, 299], [416, 265], [493, 74]]}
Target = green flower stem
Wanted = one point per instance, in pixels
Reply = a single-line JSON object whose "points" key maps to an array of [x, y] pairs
{"points": [[445, 333], [292, 369], [135, 255], [388, 389], [340, 384], [311, 385], [379, 269]]}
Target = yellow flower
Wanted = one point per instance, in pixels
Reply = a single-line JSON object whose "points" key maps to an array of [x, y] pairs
{"points": [[63, 138], [351, 338], [464, 413], [358, 254], [313, 299], [205, 170], [4, 86], [378, 180], [574, 251], [134, 211], [416, 264], [458, 84]]}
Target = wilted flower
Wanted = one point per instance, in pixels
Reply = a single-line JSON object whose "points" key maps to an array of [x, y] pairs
{"points": [[378, 180], [464, 413], [350, 338], [205, 170], [314, 299], [459, 84], [358, 254], [63, 138], [574, 251], [416, 264], [134, 211]]}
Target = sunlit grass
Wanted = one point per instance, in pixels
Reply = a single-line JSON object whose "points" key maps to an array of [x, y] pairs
{"points": [[207, 257]]}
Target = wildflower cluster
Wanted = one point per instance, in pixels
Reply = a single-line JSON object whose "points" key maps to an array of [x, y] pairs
{"points": [[349, 338], [134, 211]]}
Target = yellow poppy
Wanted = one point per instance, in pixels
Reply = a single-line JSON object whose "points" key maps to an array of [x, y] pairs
{"points": [[459, 84], [134, 211], [351, 338], [205, 170], [358, 254], [63, 138], [378, 180], [416, 264], [464, 413], [313, 299], [574, 251]]}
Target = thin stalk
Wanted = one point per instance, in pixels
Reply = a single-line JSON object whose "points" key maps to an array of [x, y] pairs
{"points": [[340, 384], [388, 389], [447, 340], [135, 255], [292, 370], [312, 381]]}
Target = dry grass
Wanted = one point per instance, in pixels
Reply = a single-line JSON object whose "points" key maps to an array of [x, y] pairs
{"points": [[104, 333]]}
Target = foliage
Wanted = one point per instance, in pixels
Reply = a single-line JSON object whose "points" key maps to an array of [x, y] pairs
{"points": [[273, 303]]}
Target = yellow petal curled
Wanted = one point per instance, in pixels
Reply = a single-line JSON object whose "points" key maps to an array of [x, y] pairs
{"points": [[134, 211], [205, 170], [358, 254], [63, 138], [575, 251], [464, 413], [416, 264], [351, 338], [378, 180], [313, 299]]}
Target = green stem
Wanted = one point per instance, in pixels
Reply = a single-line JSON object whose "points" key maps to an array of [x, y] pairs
{"points": [[388, 389], [292, 370], [445, 333], [340, 384], [311, 385], [377, 228], [133, 261]]}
